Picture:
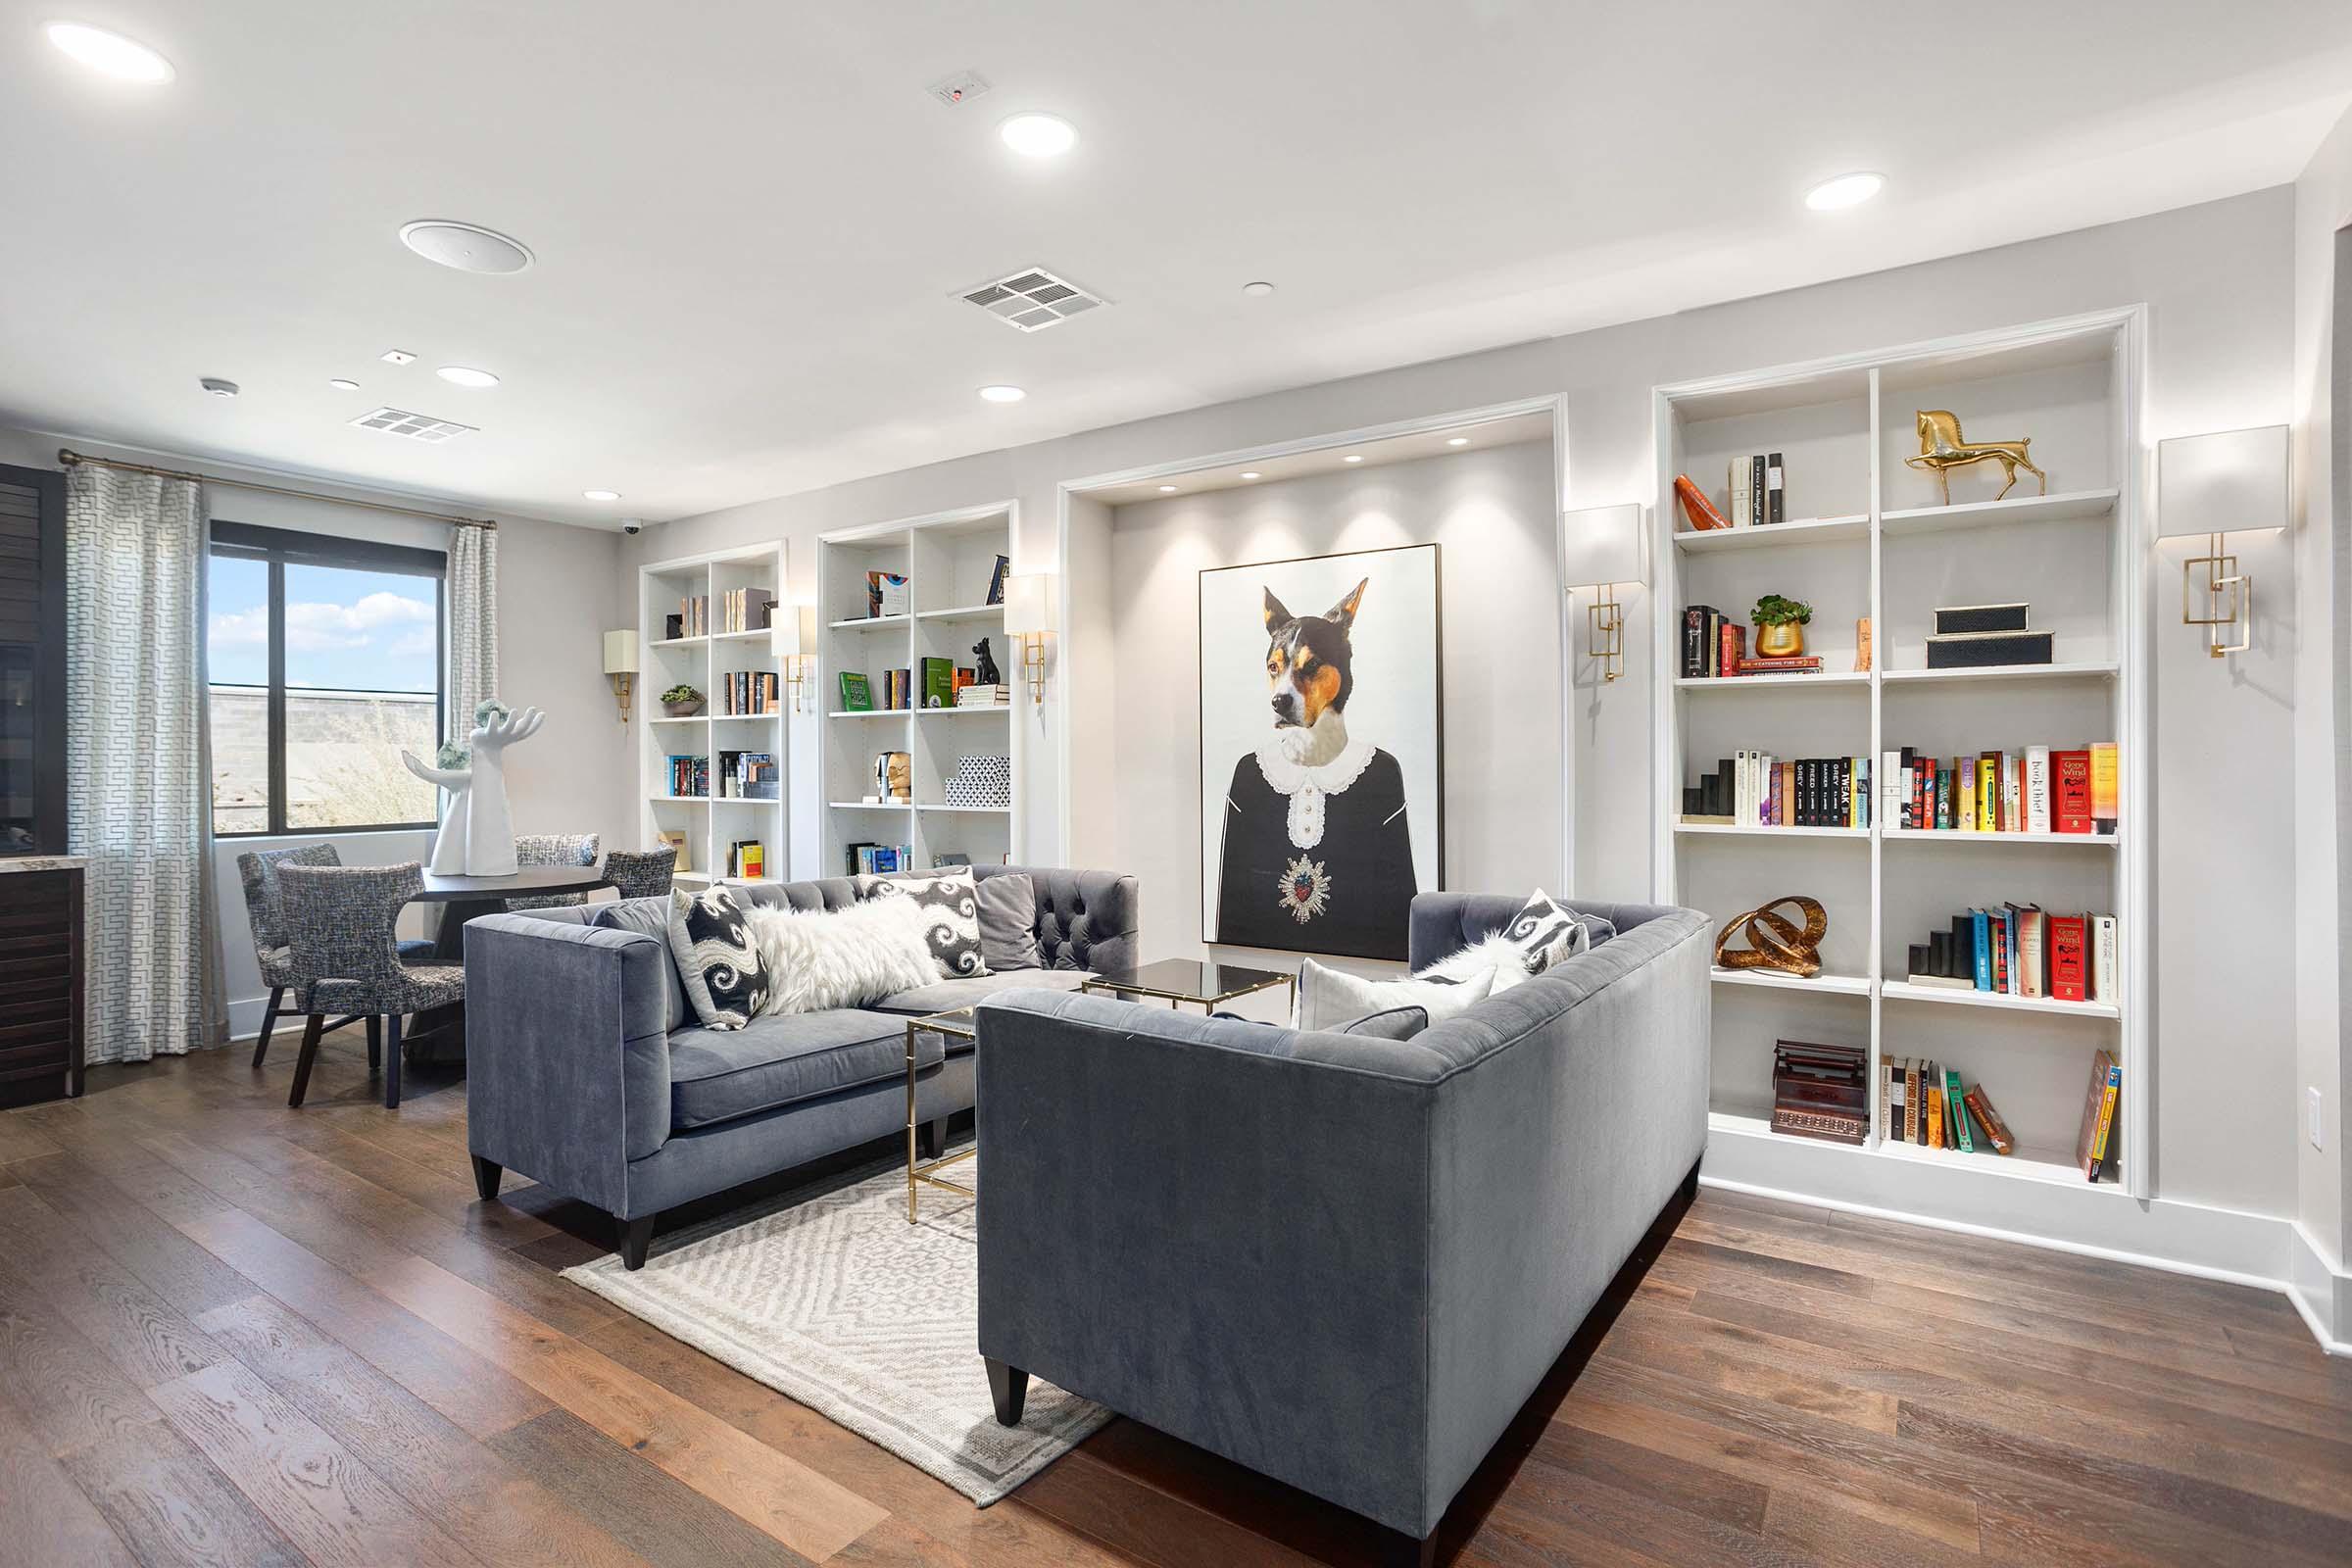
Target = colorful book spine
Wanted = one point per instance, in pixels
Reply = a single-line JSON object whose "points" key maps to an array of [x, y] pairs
{"points": [[2037, 788], [2106, 782], [2069, 791], [1953, 1098], [2067, 966], [1983, 949]]}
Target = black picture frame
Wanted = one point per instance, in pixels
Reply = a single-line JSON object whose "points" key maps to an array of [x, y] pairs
{"points": [[46, 488]]}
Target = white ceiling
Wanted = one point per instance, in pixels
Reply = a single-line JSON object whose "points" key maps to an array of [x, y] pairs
{"points": [[751, 220]]}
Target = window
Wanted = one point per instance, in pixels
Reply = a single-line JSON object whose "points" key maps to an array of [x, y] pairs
{"points": [[326, 662]]}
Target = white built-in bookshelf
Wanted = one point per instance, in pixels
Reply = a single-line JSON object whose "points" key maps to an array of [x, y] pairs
{"points": [[714, 822], [949, 559], [1869, 537]]}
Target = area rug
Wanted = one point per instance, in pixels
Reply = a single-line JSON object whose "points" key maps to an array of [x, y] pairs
{"points": [[827, 1295]]}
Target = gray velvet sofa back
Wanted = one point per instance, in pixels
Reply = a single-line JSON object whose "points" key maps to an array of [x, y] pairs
{"points": [[1343, 1262]]}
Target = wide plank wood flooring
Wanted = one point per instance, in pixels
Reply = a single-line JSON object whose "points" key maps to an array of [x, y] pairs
{"points": [[238, 1334]]}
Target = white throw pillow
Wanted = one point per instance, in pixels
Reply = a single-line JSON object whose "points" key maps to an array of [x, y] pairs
{"points": [[1496, 958], [847, 957], [1329, 998]]}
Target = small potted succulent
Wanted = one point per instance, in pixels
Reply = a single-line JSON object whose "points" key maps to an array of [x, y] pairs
{"points": [[681, 700], [1780, 626]]}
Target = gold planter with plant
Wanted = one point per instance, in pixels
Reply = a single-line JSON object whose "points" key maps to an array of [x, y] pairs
{"points": [[1780, 626]]}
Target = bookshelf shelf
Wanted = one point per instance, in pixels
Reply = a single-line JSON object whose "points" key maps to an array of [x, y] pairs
{"points": [[868, 622], [872, 806], [753, 635], [677, 642], [964, 613], [681, 800], [968, 811], [869, 713], [1808, 531], [1905, 991], [964, 712], [699, 718], [1842, 428]]}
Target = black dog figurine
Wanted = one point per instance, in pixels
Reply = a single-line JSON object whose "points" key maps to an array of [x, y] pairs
{"points": [[984, 665]]}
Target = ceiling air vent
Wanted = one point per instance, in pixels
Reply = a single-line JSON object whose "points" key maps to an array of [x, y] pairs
{"points": [[1033, 300], [411, 426]]}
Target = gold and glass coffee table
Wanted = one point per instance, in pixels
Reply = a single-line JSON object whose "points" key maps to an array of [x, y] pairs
{"points": [[921, 1172], [1203, 982]]}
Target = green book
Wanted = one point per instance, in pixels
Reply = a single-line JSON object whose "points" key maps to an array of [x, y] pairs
{"points": [[1959, 1109], [857, 697], [938, 683]]}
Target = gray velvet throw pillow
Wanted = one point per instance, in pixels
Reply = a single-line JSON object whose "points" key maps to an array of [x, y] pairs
{"points": [[1008, 923]]}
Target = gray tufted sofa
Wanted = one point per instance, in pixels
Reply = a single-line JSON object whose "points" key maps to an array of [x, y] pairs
{"points": [[588, 1071]]}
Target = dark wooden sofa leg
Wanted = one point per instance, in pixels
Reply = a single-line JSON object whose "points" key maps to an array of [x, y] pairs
{"points": [[260, 1042], [486, 1173], [931, 1138], [1008, 1386], [636, 1235]]}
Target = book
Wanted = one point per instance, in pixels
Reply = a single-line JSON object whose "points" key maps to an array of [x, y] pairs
{"points": [[2105, 782], [1737, 503], [1784, 665], [2033, 951], [1955, 1104], [2037, 788], [1912, 1105], [1995, 1133], [1980, 945], [1934, 1113], [2069, 791], [2092, 1143], [679, 843], [2068, 970], [1774, 489], [996, 579], [887, 593], [1733, 648], [1697, 507], [939, 683], [1862, 645], [2106, 954], [857, 695], [1755, 490]]}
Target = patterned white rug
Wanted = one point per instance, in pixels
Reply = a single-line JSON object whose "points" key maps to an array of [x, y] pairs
{"points": [[827, 1295]]}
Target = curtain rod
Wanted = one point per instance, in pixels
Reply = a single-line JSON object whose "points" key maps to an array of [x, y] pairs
{"points": [[69, 458]]}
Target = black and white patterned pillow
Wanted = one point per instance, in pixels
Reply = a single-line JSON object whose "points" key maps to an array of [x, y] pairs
{"points": [[717, 958], [951, 902], [1545, 932]]}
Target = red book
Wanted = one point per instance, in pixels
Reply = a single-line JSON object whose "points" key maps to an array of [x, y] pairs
{"points": [[2066, 957], [2069, 791], [1734, 647], [1696, 507]]}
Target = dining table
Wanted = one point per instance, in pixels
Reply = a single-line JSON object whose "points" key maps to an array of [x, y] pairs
{"points": [[438, 1034]]}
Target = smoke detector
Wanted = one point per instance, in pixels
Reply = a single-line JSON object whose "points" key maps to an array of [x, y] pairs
{"points": [[1032, 300], [468, 247], [960, 88], [411, 426]]}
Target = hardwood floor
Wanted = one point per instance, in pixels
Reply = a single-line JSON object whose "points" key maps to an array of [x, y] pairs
{"points": [[233, 1333]]}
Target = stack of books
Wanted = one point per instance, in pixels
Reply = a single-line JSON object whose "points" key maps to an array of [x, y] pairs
{"points": [[690, 778], [746, 860], [743, 609], [748, 776], [880, 859], [1715, 646], [745, 693], [897, 689], [2038, 790], [694, 616], [2098, 1144], [1756, 789], [1755, 493], [2021, 950], [1923, 1103], [972, 693], [1821, 1091]]}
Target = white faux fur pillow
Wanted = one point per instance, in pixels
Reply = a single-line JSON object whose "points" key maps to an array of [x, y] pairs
{"points": [[1496, 956], [846, 958], [1331, 998]]}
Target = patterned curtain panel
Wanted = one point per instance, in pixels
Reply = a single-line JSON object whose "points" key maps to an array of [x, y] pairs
{"points": [[136, 771], [472, 625]]}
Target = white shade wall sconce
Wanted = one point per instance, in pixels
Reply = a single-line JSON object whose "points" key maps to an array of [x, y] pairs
{"points": [[2232, 481], [1602, 547]]}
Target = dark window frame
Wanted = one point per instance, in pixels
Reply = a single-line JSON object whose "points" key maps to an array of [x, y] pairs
{"points": [[280, 548], [49, 811]]}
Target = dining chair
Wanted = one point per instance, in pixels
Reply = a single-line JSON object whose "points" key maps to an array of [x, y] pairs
{"points": [[553, 848], [642, 874], [257, 870], [339, 923]]}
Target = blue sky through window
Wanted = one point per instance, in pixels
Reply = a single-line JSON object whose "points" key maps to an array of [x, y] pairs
{"points": [[354, 630]]}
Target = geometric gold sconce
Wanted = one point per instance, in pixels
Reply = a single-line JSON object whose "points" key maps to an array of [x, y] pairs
{"points": [[1029, 617], [1602, 547], [2233, 481], [793, 636]]}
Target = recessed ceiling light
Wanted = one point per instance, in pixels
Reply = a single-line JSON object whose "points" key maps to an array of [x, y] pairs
{"points": [[397, 357], [599, 495], [217, 387], [1258, 290], [1457, 440], [111, 54], [468, 247], [341, 385], [466, 375], [1353, 457], [1167, 489], [1002, 394], [1039, 135], [1847, 190], [1250, 474]]}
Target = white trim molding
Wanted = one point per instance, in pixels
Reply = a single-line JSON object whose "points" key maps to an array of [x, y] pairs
{"points": [[2320, 1289]]}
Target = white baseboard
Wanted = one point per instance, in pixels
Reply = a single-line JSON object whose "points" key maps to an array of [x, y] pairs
{"points": [[2320, 1291]]}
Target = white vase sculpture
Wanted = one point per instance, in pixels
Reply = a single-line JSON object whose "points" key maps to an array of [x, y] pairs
{"points": [[477, 836]]}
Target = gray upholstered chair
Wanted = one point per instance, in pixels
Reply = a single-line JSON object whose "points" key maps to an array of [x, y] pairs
{"points": [[339, 924], [257, 870], [553, 849], [643, 875]]}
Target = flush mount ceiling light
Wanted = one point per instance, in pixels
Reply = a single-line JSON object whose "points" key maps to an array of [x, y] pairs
{"points": [[1353, 457], [1002, 394], [341, 385], [1457, 440], [466, 375], [468, 247], [111, 54], [1035, 134], [1258, 290], [599, 495], [1847, 190]]}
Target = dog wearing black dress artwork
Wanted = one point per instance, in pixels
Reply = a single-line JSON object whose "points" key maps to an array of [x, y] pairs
{"points": [[1317, 854]]}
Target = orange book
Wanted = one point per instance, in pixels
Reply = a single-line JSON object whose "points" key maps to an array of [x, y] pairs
{"points": [[1696, 507], [1935, 1116]]}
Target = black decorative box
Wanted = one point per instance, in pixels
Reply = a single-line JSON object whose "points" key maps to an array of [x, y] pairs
{"points": [[1976, 648], [1960, 619]]}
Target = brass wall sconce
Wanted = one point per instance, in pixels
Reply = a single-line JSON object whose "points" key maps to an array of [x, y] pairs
{"points": [[794, 636], [1602, 547], [2233, 481], [620, 668], [1029, 616]]}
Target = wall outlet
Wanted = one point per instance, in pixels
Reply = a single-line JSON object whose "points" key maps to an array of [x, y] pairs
{"points": [[2312, 1106]]}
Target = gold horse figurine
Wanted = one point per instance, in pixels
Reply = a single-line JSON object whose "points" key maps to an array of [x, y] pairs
{"points": [[1943, 448]]}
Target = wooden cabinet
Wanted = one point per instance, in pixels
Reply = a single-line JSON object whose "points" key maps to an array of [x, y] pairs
{"points": [[40, 981]]}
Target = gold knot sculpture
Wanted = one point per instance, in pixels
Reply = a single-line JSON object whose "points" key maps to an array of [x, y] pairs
{"points": [[1774, 940], [1943, 448]]}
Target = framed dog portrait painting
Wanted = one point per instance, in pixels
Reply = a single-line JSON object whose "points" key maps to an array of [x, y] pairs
{"points": [[1322, 743]]}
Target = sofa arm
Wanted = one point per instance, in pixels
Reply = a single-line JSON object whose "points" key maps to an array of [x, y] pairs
{"points": [[1085, 919], [566, 1052], [1219, 1228]]}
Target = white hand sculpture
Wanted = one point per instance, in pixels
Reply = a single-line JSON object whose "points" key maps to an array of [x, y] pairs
{"points": [[449, 845], [489, 831]]}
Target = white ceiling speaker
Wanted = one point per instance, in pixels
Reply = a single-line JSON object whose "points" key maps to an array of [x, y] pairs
{"points": [[468, 247]]}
